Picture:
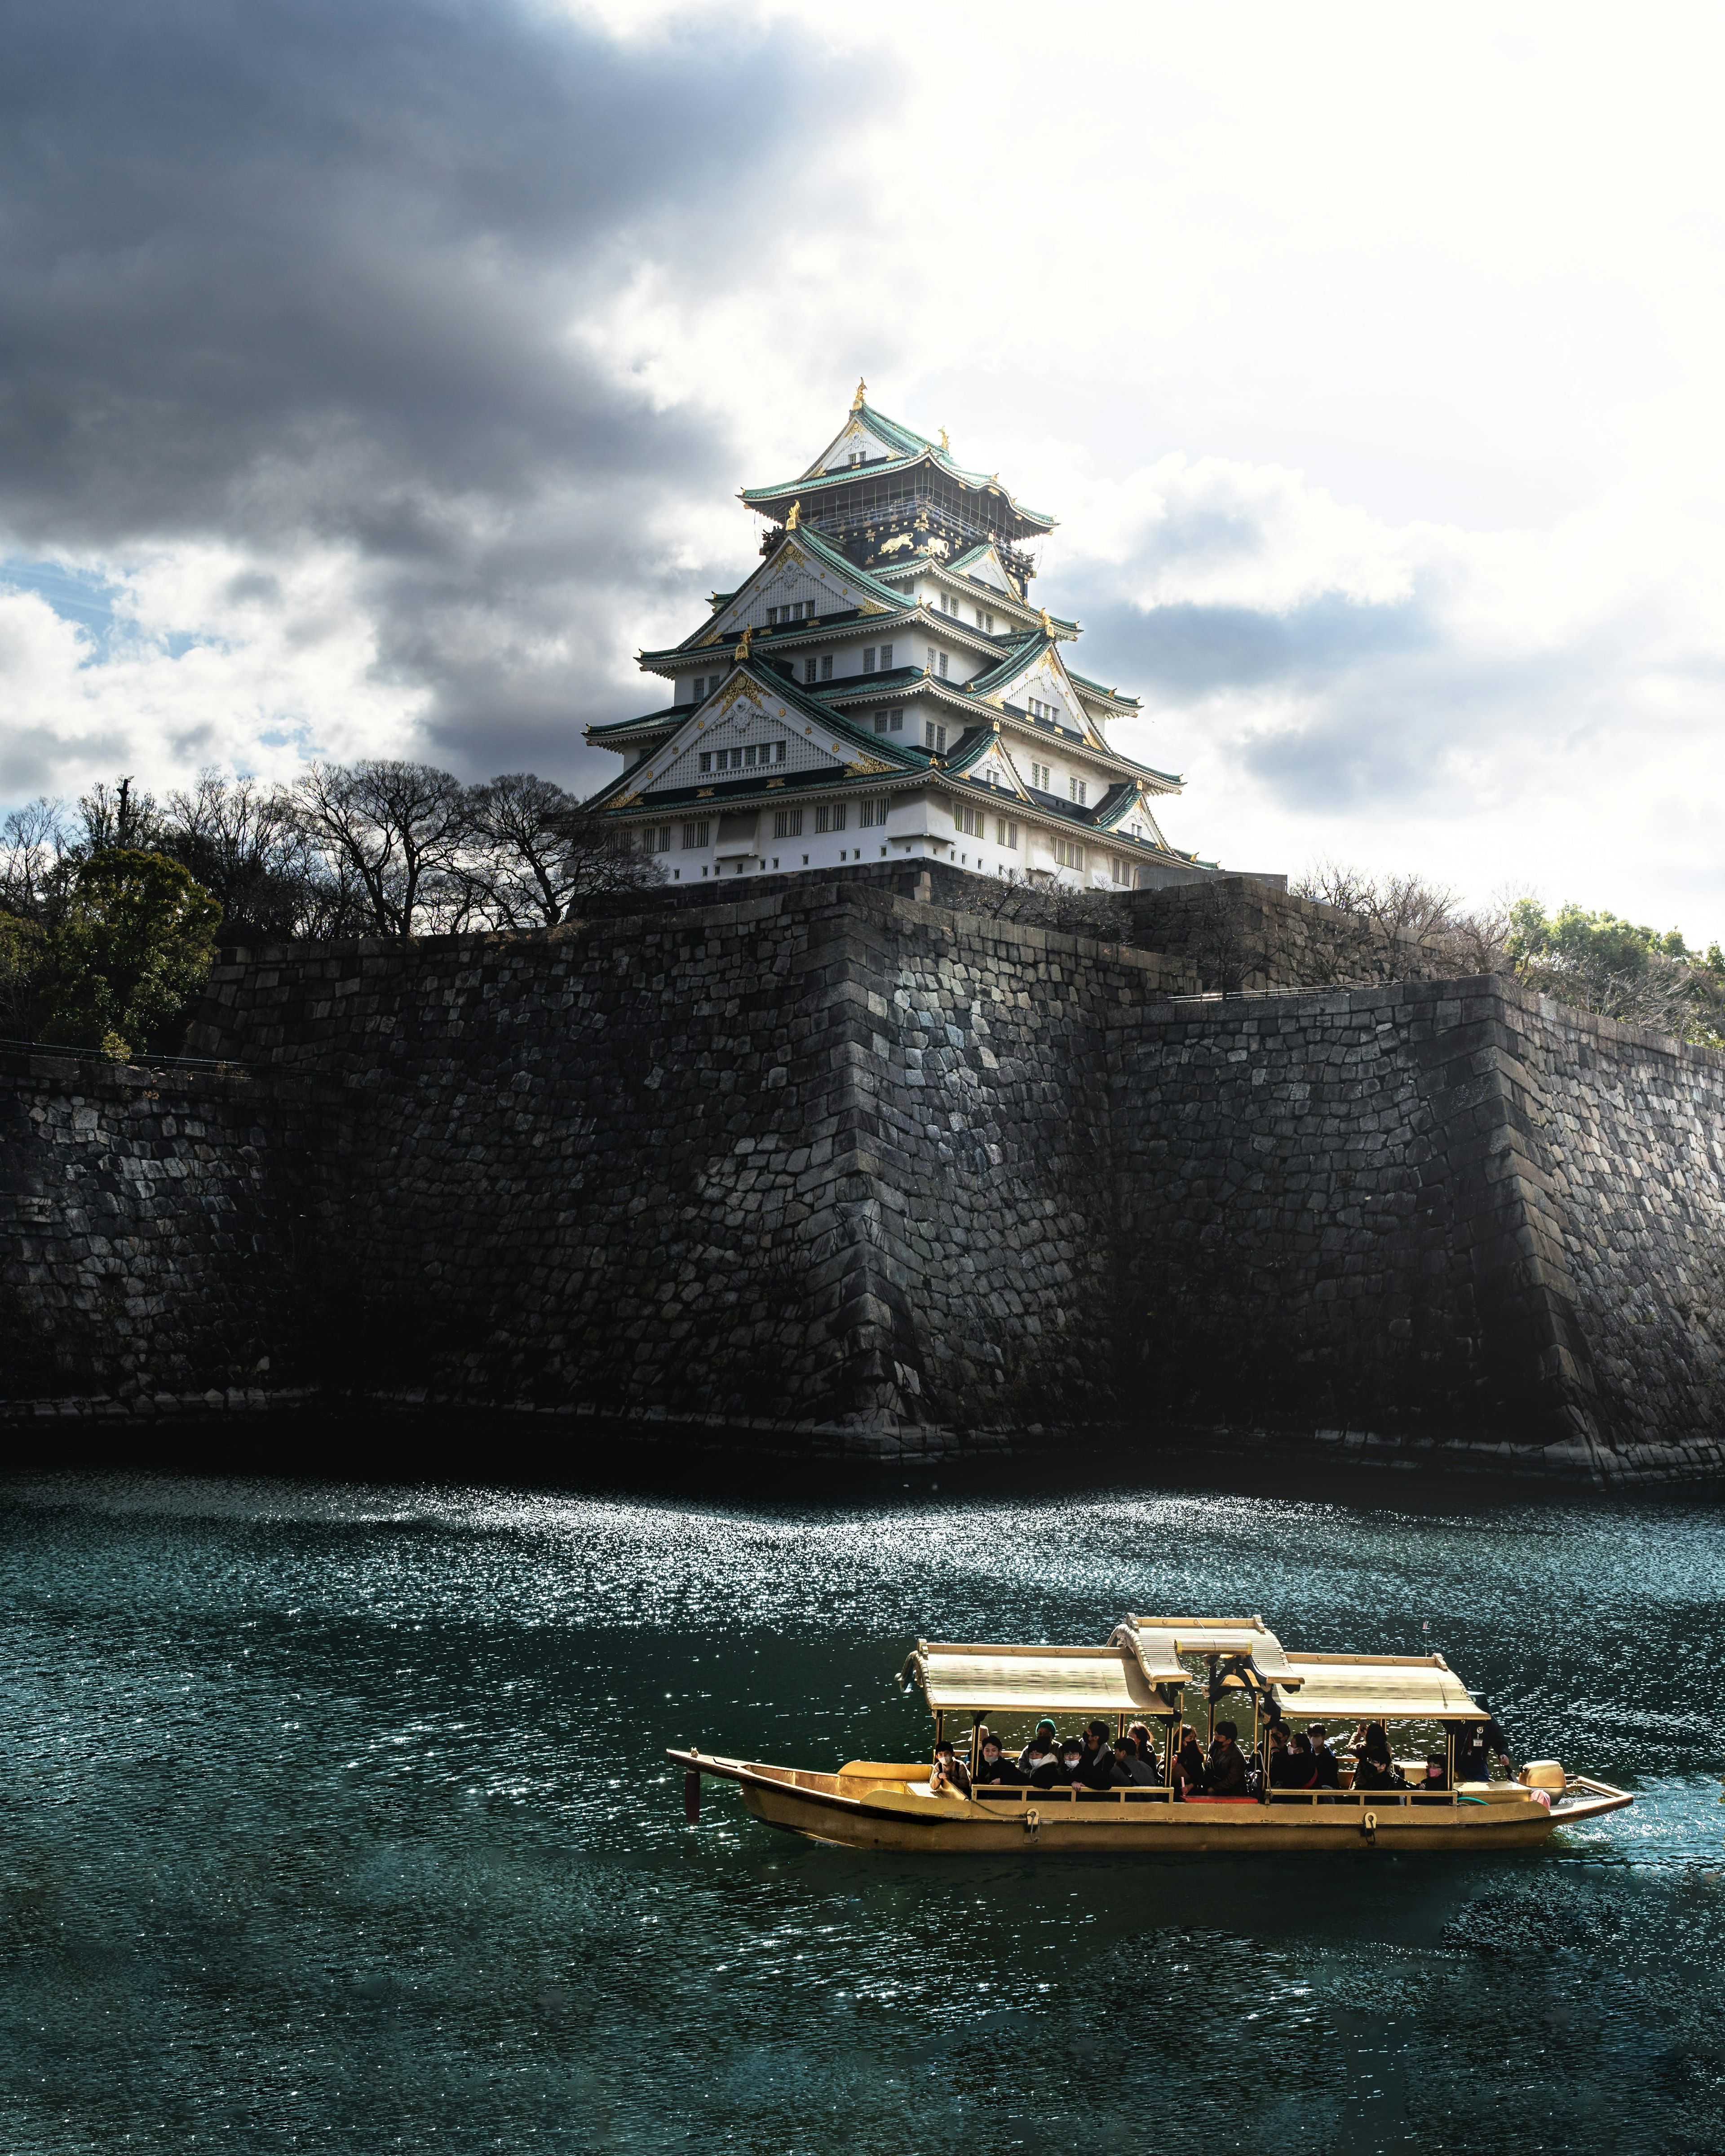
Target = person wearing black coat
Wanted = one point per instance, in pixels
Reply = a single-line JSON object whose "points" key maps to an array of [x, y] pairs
{"points": [[1225, 1775], [995, 1767], [1095, 1769], [1329, 1774], [1374, 1768], [1189, 1775]]}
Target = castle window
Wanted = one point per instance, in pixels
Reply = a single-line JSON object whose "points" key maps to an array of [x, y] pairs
{"points": [[807, 670], [706, 765], [656, 839], [933, 737], [872, 813], [1075, 789], [1068, 855], [831, 819], [1039, 778], [694, 834], [772, 617], [985, 621], [826, 670], [1007, 835], [969, 820], [787, 823], [1121, 871], [886, 659], [869, 659]]}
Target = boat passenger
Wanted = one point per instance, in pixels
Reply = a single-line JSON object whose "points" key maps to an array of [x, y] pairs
{"points": [[1130, 1770], [1044, 1747], [1140, 1734], [1047, 1769], [1374, 1768], [1329, 1773], [1095, 1769], [995, 1767], [1280, 1756], [1070, 1774], [1188, 1764], [948, 1772], [1299, 1770], [1437, 1777], [1225, 1776]]}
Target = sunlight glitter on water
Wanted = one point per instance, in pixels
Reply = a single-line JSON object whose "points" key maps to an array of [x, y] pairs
{"points": [[336, 1818]]}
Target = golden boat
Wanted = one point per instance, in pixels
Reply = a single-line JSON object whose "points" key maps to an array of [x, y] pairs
{"points": [[1143, 1674]]}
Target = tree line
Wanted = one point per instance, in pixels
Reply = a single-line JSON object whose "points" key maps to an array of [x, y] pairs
{"points": [[1592, 960], [112, 906]]}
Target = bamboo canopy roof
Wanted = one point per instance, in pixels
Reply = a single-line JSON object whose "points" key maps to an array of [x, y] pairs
{"points": [[997, 1680], [1161, 1641], [1377, 1688]]}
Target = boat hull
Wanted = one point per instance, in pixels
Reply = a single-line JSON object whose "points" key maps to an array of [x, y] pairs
{"points": [[880, 1807]]}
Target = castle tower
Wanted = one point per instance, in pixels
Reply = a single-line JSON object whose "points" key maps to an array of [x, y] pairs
{"points": [[883, 688]]}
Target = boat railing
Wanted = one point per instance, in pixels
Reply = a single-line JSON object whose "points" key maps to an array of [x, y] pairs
{"points": [[1375, 1799]]}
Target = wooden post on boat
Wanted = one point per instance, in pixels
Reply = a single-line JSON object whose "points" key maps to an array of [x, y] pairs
{"points": [[691, 1791]]}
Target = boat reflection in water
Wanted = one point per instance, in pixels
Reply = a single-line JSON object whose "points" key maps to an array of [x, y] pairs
{"points": [[1144, 1673]]}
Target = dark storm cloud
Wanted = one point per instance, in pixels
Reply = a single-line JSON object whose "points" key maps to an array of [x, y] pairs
{"points": [[309, 270]]}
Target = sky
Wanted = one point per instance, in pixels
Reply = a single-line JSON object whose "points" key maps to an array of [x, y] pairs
{"points": [[376, 378]]}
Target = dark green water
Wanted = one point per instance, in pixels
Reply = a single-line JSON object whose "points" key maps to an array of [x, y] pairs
{"points": [[333, 1819]]}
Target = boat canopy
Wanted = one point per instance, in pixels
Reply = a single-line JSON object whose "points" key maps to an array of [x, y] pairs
{"points": [[994, 1679], [1160, 1642], [1376, 1688]]}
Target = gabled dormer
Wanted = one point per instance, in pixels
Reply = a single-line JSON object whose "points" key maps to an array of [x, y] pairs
{"points": [[866, 438], [983, 565], [801, 581]]}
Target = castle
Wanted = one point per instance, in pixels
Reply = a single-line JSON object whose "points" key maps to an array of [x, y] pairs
{"points": [[859, 1135], [882, 689]]}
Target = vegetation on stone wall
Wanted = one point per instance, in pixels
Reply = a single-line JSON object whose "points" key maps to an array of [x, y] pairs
{"points": [[1593, 961], [376, 848], [133, 944]]}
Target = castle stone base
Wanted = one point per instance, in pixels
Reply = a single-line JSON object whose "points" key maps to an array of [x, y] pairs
{"points": [[830, 1167]]}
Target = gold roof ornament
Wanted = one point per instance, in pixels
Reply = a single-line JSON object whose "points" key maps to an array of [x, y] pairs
{"points": [[1047, 625], [945, 444], [793, 517], [862, 391], [741, 651]]}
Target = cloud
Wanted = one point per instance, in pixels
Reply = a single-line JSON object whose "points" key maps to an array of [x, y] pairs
{"points": [[311, 278]]}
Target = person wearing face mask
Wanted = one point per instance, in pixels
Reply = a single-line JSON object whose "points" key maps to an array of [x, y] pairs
{"points": [[1070, 1774], [1225, 1775], [1188, 1764], [994, 1770], [1043, 1751]]}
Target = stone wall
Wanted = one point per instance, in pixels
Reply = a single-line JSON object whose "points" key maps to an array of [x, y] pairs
{"points": [[837, 1168], [148, 1225]]}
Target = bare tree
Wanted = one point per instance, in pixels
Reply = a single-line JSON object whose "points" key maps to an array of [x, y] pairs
{"points": [[394, 832], [118, 816], [1454, 939], [34, 842], [597, 857], [243, 842], [518, 864]]}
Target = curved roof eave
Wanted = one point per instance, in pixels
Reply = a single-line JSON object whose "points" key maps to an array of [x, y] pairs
{"points": [[764, 498]]}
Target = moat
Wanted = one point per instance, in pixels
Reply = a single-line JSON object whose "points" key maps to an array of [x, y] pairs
{"points": [[335, 1819]]}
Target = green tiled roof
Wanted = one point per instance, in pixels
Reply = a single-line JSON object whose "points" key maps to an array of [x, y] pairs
{"points": [[907, 758], [915, 449]]}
